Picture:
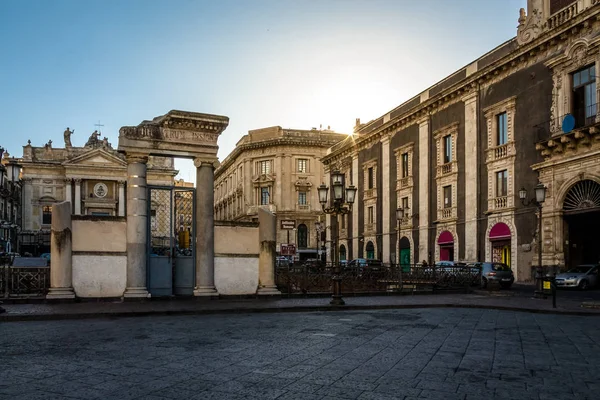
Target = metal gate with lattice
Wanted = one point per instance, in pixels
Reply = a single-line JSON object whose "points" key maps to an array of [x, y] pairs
{"points": [[171, 245]]}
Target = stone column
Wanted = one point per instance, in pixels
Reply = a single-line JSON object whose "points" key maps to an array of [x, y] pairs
{"points": [[385, 201], [68, 191], [267, 234], [137, 226], [121, 212], [471, 177], [205, 229], [424, 189], [27, 211], [77, 196], [61, 271], [355, 208]]}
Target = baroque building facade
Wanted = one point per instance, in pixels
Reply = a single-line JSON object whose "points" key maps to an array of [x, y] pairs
{"points": [[455, 156], [10, 202], [279, 170], [92, 177]]}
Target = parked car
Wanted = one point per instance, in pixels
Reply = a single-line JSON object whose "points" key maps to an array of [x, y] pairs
{"points": [[362, 265], [494, 272], [282, 262], [582, 277]]}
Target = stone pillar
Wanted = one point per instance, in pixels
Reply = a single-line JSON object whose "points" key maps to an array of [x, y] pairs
{"points": [[205, 229], [355, 208], [61, 271], [424, 189], [121, 212], [27, 211], [385, 204], [137, 226], [68, 191], [267, 234], [77, 196], [471, 177]]}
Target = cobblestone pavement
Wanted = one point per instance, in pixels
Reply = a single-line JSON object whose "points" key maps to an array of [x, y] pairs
{"points": [[385, 354]]}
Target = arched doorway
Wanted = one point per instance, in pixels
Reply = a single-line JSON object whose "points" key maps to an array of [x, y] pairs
{"points": [[500, 237], [581, 210], [342, 253], [302, 236], [446, 243], [404, 246], [370, 251]]}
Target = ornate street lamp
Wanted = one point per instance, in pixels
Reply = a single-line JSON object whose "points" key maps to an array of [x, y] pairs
{"points": [[340, 204], [540, 197]]}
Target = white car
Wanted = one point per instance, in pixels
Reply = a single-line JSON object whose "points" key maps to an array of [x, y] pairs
{"points": [[582, 277]]}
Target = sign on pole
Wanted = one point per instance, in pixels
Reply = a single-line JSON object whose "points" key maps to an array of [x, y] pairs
{"points": [[288, 249]]}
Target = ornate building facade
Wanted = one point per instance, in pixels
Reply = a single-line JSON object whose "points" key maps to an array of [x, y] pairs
{"points": [[455, 156], [10, 202], [92, 177], [280, 170]]}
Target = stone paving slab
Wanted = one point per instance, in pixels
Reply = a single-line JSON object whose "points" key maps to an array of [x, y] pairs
{"points": [[420, 353], [47, 311]]}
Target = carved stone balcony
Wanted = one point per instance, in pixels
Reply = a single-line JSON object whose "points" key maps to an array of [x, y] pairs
{"points": [[302, 207], [370, 193], [447, 213], [447, 169], [404, 183], [253, 210], [370, 227], [498, 203], [500, 152]]}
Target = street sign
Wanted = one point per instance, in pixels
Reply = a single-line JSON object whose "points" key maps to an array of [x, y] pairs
{"points": [[287, 249], [288, 224]]}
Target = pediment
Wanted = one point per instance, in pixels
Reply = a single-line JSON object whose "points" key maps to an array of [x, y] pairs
{"points": [[96, 158]]}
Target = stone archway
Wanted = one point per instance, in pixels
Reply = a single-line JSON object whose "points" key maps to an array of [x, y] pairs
{"points": [[581, 217], [446, 248], [176, 134]]}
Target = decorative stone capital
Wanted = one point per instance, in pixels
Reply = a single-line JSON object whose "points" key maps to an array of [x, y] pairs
{"points": [[77, 181], [27, 180], [385, 139], [68, 180], [121, 183], [423, 120], [205, 162], [470, 97], [136, 158]]}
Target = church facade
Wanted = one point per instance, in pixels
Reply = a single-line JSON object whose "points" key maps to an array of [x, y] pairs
{"points": [[455, 156], [92, 177]]}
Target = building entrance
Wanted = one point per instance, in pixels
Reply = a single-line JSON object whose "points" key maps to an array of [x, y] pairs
{"points": [[581, 210]]}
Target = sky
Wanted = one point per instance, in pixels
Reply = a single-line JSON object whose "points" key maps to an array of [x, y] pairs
{"points": [[293, 63]]}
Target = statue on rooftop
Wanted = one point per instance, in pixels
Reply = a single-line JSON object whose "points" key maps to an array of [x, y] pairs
{"points": [[93, 140], [67, 135]]}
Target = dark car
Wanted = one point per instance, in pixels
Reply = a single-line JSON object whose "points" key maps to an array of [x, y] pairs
{"points": [[494, 272], [365, 266]]}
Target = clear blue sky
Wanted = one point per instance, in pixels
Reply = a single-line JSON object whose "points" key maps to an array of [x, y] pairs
{"points": [[293, 63]]}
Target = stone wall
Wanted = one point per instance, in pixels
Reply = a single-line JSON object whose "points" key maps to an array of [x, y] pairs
{"points": [[99, 256], [236, 258]]}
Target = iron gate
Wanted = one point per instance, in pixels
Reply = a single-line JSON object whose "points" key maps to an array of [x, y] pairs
{"points": [[171, 241]]}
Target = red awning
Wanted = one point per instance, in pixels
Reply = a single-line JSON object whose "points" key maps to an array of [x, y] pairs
{"points": [[445, 238], [500, 231]]}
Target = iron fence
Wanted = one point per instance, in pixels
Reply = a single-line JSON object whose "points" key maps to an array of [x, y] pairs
{"points": [[387, 278], [23, 282]]}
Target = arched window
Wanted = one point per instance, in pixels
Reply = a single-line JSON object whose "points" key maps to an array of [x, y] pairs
{"points": [[370, 251], [302, 236]]}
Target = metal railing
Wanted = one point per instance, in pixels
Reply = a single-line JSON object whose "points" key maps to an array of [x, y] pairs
{"points": [[316, 278], [584, 117], [23, 282]]}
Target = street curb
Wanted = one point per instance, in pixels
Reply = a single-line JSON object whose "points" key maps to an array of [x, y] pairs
{"points": [[6, 317]]}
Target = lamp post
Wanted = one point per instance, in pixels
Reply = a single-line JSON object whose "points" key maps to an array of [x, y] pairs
{"points": [[340, 204], [318, 228], [540, 197]]}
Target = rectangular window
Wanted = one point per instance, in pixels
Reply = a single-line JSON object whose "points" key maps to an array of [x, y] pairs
{"points": [[302, 165], [370, 178], [584, 96], [370, 215], [502, 134], [404, 165], [343, 219], [447, 196], [264, 167], [405, 204], [302, 198], [47, 215], [447, 149], [502, 183], [264, 196]]}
